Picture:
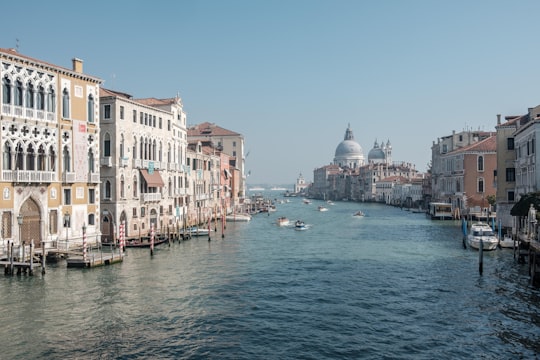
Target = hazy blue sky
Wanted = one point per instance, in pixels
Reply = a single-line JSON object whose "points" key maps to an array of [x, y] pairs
{"points": [[291, 75]]}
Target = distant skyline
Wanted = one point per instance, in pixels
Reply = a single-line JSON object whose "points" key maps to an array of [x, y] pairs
{"points": [[291, 75]]}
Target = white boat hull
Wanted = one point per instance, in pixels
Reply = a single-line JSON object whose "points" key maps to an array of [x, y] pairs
{"points": [[238, 217]]}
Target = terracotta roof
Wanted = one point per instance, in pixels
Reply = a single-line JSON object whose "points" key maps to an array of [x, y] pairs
{"points": [[398, 179], [209, 129], [106, 92], [155, 102], [486, 145]]}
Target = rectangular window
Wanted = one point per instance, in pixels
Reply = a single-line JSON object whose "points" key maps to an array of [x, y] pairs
{"points": [[510, 143], [134, 116], [67, 196], [160, 122], [510, 174], [107, 111], [121, 113], [91, 196], [511, 196], [141, 118], [134, 212], [480, 185]]}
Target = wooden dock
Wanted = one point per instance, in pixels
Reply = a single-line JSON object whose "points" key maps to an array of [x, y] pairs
{"points": [[94, 260]]}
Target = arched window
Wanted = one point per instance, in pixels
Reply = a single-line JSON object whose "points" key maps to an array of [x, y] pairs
{"points": [[169, 153], [30, 157], [6, 157], [480, 185], [107, 189], [90, 108], [141, 149], [107, 145], [135, 186], [134, 152], [40, 101], [65, 104], [41, 160], [122, 185], [122, 146], [19, 160], [18, 93], [170, 188], [51, 99], [91, 164], [30, 93], [6, 91], [480, 163], [66, 159], [52, 159]]}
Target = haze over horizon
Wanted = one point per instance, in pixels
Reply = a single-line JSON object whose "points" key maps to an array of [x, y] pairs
{"points": [[291, 75]]}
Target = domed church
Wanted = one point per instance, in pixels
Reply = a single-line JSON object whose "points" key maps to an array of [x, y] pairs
{"points": [[380, 154], [349, 153]]}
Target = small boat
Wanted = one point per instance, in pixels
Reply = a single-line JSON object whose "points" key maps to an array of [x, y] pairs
{"points": [[306, 201], [506, 242], [322, 208], [197, 231], [283, 221], [359, 213], [144, 242], [238, 217], [330, 202], [482, 232], [300, 225]]}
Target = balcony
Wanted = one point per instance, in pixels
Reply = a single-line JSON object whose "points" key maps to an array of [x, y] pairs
{"points": [[27, 113], [123, 161], [93, 178], [28, 176], [106, 161], [179, 192], [151, 197], [68, 177]]}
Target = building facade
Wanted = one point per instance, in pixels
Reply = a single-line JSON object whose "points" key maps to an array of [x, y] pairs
{"points": [[50, 151]]}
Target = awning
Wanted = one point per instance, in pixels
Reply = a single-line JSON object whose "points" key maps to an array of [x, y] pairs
{"points": [[227, 173], [154, 179]]}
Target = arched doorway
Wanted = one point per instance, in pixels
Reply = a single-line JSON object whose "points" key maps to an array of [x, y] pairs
{"points": [[153, 219], [31, 226], [107, 229]]}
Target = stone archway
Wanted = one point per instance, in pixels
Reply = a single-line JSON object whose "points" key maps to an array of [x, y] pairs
{"points": [[31, 226], [107, 229]]}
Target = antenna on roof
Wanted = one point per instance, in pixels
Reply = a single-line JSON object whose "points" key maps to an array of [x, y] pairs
{"points": [[17, 44]]}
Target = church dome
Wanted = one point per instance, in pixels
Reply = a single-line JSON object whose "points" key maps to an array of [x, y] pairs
{"points": [[348, 148], [349, 152], [376, 154]]}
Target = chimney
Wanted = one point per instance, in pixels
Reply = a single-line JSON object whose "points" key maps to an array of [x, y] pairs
{"points": [[77, 65], [498, 119]]}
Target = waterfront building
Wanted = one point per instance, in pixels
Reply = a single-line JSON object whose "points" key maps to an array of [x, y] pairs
{"points": [[50, 151], [143, 164], [526, 139], [323, 186], [466, 176], [444, 171], [230, 143], [300, 186], [506, 167]]}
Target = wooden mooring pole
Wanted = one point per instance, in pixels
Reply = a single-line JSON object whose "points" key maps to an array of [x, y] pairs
{"points": [[481, 257]]}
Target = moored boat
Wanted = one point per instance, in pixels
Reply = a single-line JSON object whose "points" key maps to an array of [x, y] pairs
{"points": [[359, 213], [506, 242], [238, 217], [481, 232], [322, 208]]}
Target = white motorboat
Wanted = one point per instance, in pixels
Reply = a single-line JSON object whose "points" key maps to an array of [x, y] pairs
{"points": [[238, 217], [506, 242], [198, 231], [322, 208], [482, 232], [300, 225], [283, 221], [359, 213]]}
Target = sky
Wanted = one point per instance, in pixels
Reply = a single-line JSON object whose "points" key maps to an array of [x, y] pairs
{"points": [[292, 75]]}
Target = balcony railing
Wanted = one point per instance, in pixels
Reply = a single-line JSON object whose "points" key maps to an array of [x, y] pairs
{"points": [[151, 197], [123, 161], [28, 176], [68, 177], [93, 178], [106, 161], [27, 113]]}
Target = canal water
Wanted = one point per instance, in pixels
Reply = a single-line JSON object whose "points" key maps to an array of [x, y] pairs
{"points": [[391, 285]]}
